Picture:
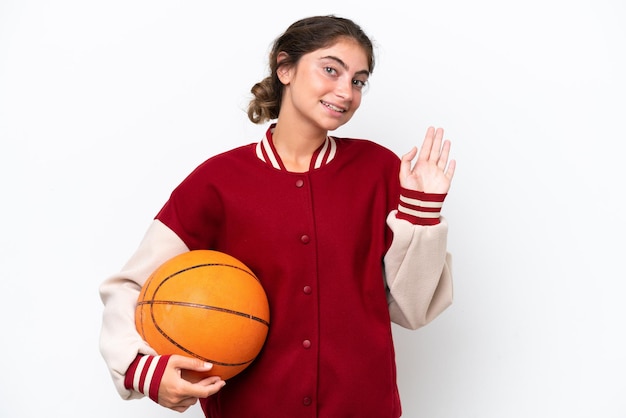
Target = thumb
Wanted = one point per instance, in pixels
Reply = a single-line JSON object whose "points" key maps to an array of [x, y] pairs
{"points": [[405, 164], [410, 155], [190, 363]]}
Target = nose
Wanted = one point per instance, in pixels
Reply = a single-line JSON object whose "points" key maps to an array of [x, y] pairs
{"points": [[344, 88]]}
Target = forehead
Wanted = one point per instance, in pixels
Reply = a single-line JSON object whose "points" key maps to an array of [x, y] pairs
{"points": [[347, 50]]}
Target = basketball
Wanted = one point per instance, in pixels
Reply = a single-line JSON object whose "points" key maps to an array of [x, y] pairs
{"points": [[208, 305]]}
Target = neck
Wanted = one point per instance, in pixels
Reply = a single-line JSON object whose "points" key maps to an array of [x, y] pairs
{"points": [[296, 146]]}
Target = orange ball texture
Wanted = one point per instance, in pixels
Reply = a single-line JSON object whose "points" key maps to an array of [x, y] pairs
{"points": [[208, 305]]}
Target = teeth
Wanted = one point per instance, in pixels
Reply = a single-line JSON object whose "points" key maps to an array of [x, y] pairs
{"points": [[335, 108]]}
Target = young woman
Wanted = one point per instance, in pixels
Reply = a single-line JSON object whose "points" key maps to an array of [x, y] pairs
{"points": [[345, 237]]}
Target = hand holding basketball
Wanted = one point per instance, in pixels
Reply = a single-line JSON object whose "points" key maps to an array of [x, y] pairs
{"points": [[177, 393]]}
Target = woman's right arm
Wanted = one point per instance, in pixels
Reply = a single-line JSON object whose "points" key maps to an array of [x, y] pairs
{"points": [[120, 343], [137, 370]]}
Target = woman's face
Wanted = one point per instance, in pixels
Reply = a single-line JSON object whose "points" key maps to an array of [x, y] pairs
{"points": [[325, 87]]}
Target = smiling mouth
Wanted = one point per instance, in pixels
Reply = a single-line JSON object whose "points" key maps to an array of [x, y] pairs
{"points": [[333, 107]]}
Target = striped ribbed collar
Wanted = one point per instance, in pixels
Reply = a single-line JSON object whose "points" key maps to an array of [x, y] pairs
{"points": [[267, 153]]}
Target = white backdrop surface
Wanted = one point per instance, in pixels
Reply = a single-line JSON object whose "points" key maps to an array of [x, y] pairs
{"points": [[106, 106]]}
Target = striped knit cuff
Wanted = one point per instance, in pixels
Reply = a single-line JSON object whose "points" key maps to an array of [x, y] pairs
{"points": [[144, 375], [420, 208]]}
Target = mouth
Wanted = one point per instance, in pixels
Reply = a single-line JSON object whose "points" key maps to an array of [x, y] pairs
{"points": [[333, 107]]}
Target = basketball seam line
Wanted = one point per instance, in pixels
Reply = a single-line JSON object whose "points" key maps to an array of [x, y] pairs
{"points": [[207, 307]]}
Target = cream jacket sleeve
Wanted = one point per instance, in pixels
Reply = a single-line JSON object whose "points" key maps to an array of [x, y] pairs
{"points": [[418, 272], [119, 340]]}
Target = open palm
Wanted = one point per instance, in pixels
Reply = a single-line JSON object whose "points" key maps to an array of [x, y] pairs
{"points": [[432, 172]]}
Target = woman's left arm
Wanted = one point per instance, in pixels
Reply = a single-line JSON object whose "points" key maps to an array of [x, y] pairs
{"points": [[418, 272], [417, 264]]}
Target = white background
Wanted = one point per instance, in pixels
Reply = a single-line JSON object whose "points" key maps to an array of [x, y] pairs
{"points": [[106, 106]]}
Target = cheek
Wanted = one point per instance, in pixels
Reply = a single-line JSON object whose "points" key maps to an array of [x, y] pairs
{"points": [[356, 101], [321, 84]]}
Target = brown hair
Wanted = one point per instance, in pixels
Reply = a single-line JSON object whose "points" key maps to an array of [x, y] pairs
{"points": [[304, 36]]}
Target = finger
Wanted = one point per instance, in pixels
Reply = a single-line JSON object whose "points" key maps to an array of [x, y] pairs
{"points": [[405, 164], [451, 169], [211, 380], [410, 155], [184, 404], [445, 153], [206, 387], [180, 408], [190, 363], [435, 150], [427, 144]]}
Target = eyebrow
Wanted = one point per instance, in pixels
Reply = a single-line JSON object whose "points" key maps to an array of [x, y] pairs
{"points": [[344, 65]]}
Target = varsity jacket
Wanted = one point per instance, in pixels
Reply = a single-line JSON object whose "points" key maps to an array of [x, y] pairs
{"points": [[341, 251]]}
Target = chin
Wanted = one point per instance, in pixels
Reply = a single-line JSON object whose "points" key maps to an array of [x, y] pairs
{"points": [[335, 124]]}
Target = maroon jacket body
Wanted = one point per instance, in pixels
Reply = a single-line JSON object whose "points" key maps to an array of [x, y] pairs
{"points": [[316, 241]]}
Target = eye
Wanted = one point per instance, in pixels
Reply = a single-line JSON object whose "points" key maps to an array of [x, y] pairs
{"points": [[359, 84], [330, 71]]}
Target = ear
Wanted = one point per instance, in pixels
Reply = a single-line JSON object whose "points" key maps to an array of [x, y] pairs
{"points": [[283, 71]]}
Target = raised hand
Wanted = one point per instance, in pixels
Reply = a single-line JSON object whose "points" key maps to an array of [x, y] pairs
{"points": [[432, 172]]}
